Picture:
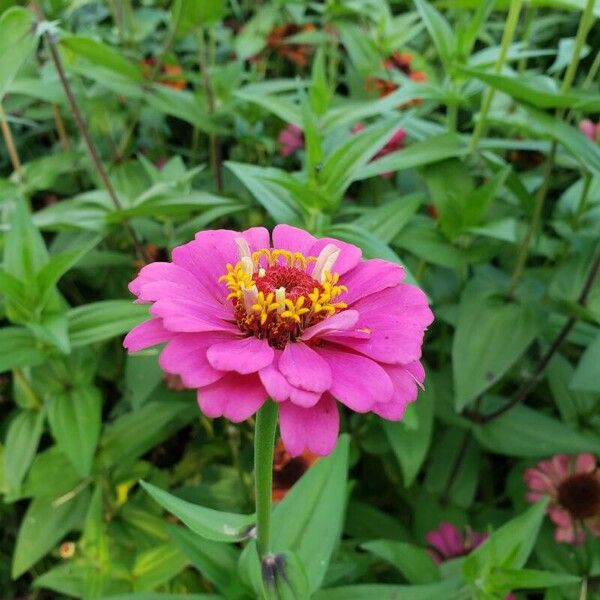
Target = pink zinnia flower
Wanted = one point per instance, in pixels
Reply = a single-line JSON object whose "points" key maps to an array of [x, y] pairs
{"points": [[447, 542], [590, 129], [290, 138], [395, 143], [302, 320], [573, 484]]}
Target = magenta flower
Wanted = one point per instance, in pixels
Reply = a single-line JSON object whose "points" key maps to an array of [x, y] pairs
{"points": [[590, 130], [573, 484], [302, 320], [290, 138], [447, 542]]}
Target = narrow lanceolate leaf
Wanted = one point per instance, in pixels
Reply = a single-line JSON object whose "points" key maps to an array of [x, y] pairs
{"points": [[18, 40], [206, 522], [19, 348], [586, 377], [308, 521], [75, 420]]}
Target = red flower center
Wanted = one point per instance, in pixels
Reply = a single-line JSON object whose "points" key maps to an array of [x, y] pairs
{"points": [[580, 495], [295, 282]]}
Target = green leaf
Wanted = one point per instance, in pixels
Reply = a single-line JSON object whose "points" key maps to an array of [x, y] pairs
{"points": [[277, 201], [539, 90], [508, 547], [444, 589], [410, 445], [18, 39], [529, 433], [433, 149], [102, 55], [99, 321], [586, 377], [413, 562], [19, 348], [24, 250], [308, 521], [22, 439], [440, 31], [193, 14], [134, 433], [206, 522], [284, 577], [44, 525], [513, 579], [156, 566], [216, 561], [490, 337], [345, 163], [75, 418], [161, 596]]}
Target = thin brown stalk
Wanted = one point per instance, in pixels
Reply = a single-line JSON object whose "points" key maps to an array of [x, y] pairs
{"points": [[10, 144], [60, 128]]}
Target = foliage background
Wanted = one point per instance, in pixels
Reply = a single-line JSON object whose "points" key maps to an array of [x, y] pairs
{"points": [[493, 208]]}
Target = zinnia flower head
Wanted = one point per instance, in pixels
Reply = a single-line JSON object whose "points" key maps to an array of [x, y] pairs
{"points": [[290, 138], [302, 320], [573, 484], [288, 469], [447, 542]]}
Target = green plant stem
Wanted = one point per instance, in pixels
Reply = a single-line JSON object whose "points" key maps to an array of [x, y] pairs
{"points": [[10, 144], [534, 224], [530, 12], [585, 23], [507, 37], [587, 182], [264, 443], [85, 134]]}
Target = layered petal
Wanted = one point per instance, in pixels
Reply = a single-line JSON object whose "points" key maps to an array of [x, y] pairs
{"points": [[235, 397], [357, 381], [247, 355], [146, 334], [370, 277], [396, 318], [185, 355], [347, 259], [406, 380], [314, 429], [342, 321], [286, 237], [304, 368]]}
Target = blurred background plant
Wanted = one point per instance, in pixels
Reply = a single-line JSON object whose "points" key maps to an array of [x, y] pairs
{"points": [[459, 139]]}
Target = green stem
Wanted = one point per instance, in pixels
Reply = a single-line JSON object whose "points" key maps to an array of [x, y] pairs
{"points": [[507, 37], [530, 12], [587, 18], [587, 181], [264, 443]]}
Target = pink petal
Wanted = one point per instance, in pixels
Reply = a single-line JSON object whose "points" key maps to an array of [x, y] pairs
{"points": [[405, 379], [348, 258], [244, 356], [304, 368], [314, 429], [370, 277], [303, 398], [275, 383], [341, 321], [146, 334], [185, 355], [560, 516], [286, 237], [164, 272], [235, 397], [588, 129], [357, 382], [397, 318], [453, 539], [585, 463]]}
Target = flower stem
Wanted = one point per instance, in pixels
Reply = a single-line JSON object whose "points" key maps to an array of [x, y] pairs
{"points": [[509, 32], [264, 443], [10, 144]]}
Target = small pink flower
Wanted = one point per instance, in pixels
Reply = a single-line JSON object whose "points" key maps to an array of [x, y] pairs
{"points": [[302, 320], [573, 484], [290, 138], [447, 542], [395, 143], [590, 130]]}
